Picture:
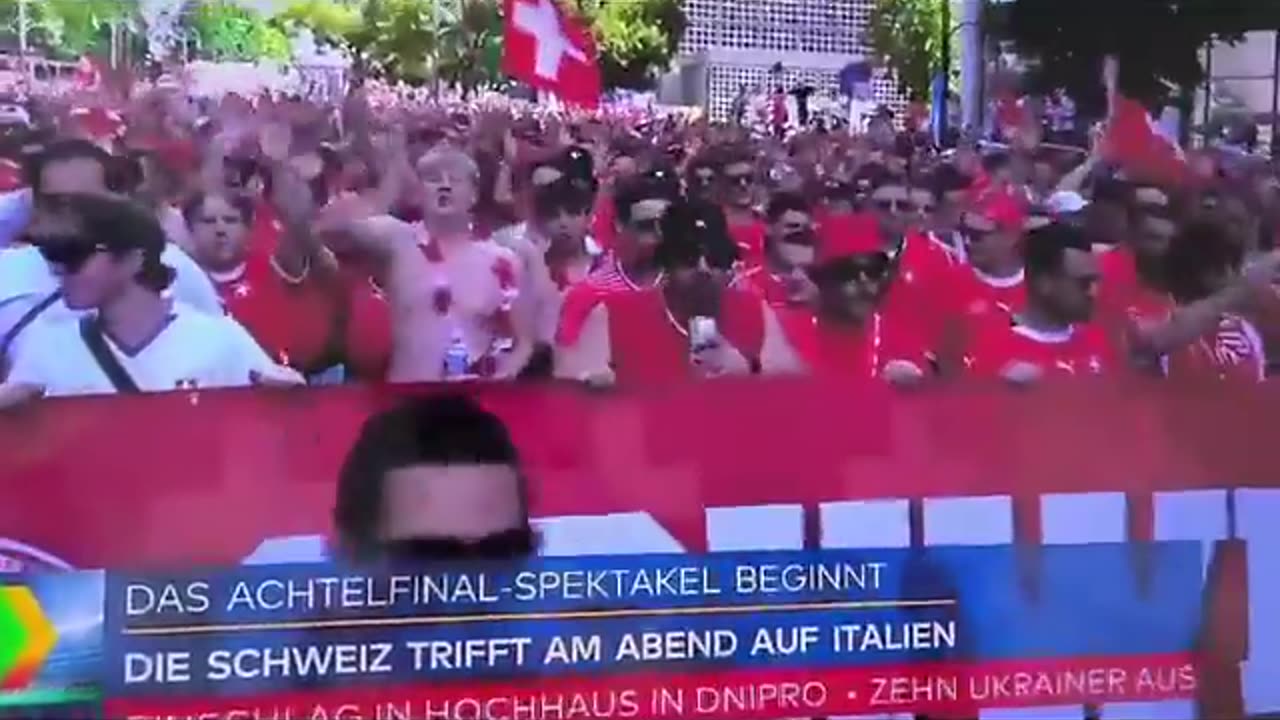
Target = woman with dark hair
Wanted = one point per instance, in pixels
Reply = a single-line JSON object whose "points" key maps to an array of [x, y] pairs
{"points": [[437, 478], [106, 254]]}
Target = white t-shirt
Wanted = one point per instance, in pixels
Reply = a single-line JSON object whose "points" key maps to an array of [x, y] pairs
{"points": [[195, 350], [26, 279]]}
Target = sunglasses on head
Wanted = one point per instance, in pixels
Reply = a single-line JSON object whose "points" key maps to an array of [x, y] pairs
{"points": [[507, 545], [70, 252]]}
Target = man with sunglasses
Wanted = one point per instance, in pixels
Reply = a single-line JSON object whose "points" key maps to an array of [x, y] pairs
{"points": [[1052, 334], [107, 256], [28, 285], [861, 328], [639, 205], [738, 194], [991, 284]]}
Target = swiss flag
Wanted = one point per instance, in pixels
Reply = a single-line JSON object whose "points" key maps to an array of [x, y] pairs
{"points": [[551, 50]]}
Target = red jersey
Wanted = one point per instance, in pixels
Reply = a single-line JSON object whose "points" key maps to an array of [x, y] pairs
{"points": [[1123, 299], [862, 351], [1233, 350], [962, 299], [294, 323], [647, 345], [1000, 343], [266, 229], [763, 284], [603, 229], [749, 237]]}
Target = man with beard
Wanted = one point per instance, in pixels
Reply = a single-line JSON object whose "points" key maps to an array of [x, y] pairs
{"points": [[1052, 334], [691, 325], [1134, 301], [435, 479]]}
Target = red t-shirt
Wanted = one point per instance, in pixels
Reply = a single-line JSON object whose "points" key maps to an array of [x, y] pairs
{"points": [[1234, 350], [293, 323], [960, 300], [645, 343], [862, 351], [749, 237], [1122, 297], [999, 343]]}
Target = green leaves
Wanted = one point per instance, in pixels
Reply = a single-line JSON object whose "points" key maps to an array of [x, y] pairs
{"points": [[911, 36], [636, 38], [231, 32]]}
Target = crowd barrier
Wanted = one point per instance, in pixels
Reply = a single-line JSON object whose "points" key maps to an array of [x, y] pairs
{"points": [[217, 478]]}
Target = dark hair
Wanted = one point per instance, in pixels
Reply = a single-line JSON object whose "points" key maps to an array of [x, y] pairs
{"points": [[1045, 247], [116, 177], [241, 204], [785, 202], [121, 227], [431, 430], [1198, 249], [563, 194], [947, 178], [649, 186], [692, 230]]}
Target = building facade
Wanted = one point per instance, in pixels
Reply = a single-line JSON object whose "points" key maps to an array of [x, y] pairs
{"points": [[739, 41]]}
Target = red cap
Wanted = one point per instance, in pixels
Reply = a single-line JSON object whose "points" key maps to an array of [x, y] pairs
{"points": [[844, 235], [1002, 209], [97, 123]]}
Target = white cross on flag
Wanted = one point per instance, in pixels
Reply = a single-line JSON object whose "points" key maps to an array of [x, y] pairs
{"points": [[551, 50]]}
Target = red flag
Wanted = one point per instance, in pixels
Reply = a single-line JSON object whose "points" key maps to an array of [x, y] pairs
{"points": [[551, 50], [1133, 142]]}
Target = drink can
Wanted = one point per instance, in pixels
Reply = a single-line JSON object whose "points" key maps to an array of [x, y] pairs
{"points": [[703, 332]]}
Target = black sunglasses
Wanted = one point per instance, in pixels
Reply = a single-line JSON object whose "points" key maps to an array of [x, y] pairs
{"points": [[890, 205], [70, 252], [509, 544], [741, 180]]}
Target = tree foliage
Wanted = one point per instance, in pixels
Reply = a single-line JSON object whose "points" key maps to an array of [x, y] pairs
{"points": [[636, 38], [67, 28], [232, 32], [1157, 42], [910, 36]]}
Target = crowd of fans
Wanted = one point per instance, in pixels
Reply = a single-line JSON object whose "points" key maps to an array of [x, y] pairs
{"points": [[169, 244]]}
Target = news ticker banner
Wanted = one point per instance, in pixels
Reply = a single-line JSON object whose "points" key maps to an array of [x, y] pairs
{"points": [[763, 635]]}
